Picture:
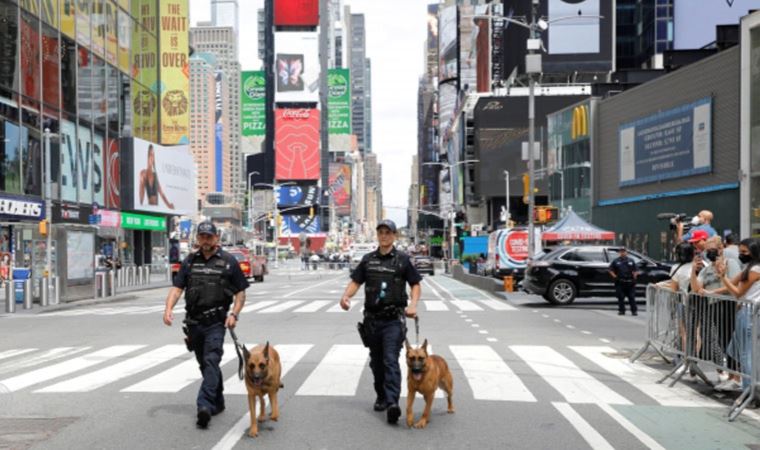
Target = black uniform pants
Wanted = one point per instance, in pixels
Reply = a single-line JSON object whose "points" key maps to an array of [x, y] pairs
{"points": [[386, 338], [208, 344], [626, 289]]}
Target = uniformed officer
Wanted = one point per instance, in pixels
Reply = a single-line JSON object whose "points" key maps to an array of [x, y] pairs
{"points": [[385, 273], [211, 279], [623, 271]]}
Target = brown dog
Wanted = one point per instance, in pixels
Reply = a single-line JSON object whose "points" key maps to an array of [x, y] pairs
{"points": [[426, 374], [262, 377]]}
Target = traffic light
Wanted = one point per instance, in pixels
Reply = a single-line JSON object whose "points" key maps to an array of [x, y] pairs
{"points": [[43, 227], [526, 188], [545, 214]]}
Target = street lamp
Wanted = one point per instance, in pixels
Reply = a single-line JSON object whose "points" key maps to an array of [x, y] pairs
{"points": [[249, 186], [275, 189], [507, 215], [48, 204]]}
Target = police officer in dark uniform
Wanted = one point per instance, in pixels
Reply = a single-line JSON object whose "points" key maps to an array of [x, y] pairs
{"points": [[385, 273], [211, 279], [623, 271]]}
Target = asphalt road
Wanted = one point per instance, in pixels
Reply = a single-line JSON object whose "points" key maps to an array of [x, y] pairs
{"points": [[526, 375]]}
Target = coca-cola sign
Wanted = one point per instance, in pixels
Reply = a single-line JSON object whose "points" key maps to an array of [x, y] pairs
{"points": [[296, 114], [297, 144]]}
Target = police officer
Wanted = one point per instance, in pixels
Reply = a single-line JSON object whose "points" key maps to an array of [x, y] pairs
{"points": [[385, 273], [211, 279], [623, 271]]}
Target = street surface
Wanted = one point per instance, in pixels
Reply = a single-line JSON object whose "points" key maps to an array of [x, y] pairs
{"points": [[526, 375]]}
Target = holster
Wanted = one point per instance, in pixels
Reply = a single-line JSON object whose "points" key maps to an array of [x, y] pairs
{"points": [[188, 340], [365, 330]]}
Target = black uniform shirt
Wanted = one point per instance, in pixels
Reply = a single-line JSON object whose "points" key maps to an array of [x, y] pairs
{"points": [[359, 275], [623, 267], [237, 280]]}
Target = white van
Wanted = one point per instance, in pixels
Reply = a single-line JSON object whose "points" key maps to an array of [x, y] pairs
{"points": [[508, 251]]}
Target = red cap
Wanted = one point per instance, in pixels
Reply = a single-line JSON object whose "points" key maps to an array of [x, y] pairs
{"points": [[699, 235]]}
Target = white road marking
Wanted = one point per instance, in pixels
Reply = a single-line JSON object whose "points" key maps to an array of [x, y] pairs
{"points": [[430, 285], [492, 339], [338, 373], [15, 352], [625, 423], [46, 356], [313, 306], [498, 305], [585, 332], [280, 307], [568, 379], [176, 378], [587, 432], [482, 331], [435, 305], [489, 377], [606, 341], [66, 367], [94, 380], [311, 286], [258, 305]]}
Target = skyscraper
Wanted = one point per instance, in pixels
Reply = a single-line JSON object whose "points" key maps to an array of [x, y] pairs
{"points": [[225, 13], [358, 68]]}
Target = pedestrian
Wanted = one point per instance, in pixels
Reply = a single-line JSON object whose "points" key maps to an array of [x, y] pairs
{"points": [[623, 271], [5, 268], [211, 278], [385, 273], [699, 240], [731, 250]]}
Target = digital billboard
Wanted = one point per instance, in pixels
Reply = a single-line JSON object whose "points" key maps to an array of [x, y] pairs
{"points": [[296, 67], [448, 50], [670, 144], [113, 175], [163, 178], [296, 13], [579, 35], [175, 72], [339, 188], [253, 123], [339, 101], [297, 224], [297, 144], [447, 100], [298, 195]]}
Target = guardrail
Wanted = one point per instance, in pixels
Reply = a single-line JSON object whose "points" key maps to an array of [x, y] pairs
{"points": [[705, 331]]}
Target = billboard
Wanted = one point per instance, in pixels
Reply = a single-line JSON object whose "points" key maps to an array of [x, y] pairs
{"points": [[297, 144], [298, 195], [339, 101], [483, 50], [124, 39], [112, 43], [253, 123], [219, 134], [340, 188], [448, 50], [295, 225], [670, 144], [447, 102], [68, 159], [113, 175], [296, 13], [83, 22], [68, 19], [695, 27], [580, 35], [163, 178], [98, 172], [175, 81], [297, 66], [30, 60]]}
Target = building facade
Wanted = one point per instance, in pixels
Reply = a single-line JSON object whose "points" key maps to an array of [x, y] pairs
{"points": [[203, 88]]}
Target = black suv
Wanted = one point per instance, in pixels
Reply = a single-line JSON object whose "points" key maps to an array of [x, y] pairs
{"points": [[565, 273], [424, 264]]}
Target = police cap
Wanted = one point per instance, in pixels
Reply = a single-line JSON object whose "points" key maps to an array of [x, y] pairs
{"points": [[207, 227], [388, 224]]}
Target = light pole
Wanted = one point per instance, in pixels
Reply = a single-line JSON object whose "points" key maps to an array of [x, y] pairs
{"points": [[275, 189], [250, 199], [506, 185], [48, 205]]}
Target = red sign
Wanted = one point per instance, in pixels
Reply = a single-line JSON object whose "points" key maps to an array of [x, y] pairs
{"points": [[296, 144], [113, 168], [516, 246], [296, 13]]}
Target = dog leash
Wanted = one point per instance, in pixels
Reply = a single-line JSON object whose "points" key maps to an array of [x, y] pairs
{"points": [[416, 330], [239, 349]]}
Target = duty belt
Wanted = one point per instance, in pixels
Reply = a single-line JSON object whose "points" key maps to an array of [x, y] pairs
{"points": [[385, 314], [208, 316]]}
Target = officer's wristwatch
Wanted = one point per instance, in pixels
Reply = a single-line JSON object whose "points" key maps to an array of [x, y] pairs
{"points": [[234, 315]]}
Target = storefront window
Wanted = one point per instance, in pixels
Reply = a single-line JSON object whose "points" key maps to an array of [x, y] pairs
{"points": [[51, 69], [31, 151], [69, 75], [8, 45], [10, 154]]}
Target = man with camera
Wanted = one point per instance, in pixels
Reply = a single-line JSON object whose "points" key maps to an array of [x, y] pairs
{"points": [[701, 221]]}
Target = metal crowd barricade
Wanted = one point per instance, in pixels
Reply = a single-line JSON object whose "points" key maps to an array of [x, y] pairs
{"points": [[665, 309]]}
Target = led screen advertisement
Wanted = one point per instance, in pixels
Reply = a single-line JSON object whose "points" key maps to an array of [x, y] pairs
{"points": [[175, 72], [296, 67], [448, 50], [113, 177], [297, 144], [297, 224], [579, 35], [340, 188], [339, 101], [296, 13], [298, 195], [252, 111], [670, 144], [163, 178]]}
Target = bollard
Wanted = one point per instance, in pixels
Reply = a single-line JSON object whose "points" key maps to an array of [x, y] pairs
{"points": [[27, 294], [44, 287], [139, 276], [169, 273], [147, 274], [111, 283], [57, 284], [132, 275], [10, 300]]}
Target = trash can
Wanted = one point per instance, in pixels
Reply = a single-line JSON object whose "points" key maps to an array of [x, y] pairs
{"points": [[19, 276]]}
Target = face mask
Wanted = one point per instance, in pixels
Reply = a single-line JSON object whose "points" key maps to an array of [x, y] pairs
{"points": [[712, 254], [696, 220], [745, 258]]}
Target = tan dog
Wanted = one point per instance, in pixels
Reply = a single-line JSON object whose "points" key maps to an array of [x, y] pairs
{"points": [[262, 377], [426, 374]]}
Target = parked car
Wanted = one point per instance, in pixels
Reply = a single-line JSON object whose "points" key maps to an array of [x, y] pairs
{"points": [[424, 264], [565, 273], [259, 267], [245, 263]]}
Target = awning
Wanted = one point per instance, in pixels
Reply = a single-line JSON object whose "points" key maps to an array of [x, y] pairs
{"points": [[573, 228]]}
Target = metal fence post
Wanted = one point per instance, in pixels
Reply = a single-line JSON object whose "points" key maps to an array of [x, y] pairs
{"points": [[27, 294], [10, 299]]}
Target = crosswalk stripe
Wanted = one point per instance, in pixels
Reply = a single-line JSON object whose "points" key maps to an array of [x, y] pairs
{"points": [[281, 307], [430, 286], [405, 374], [178, 377], [489, 377], [48, 355], [498, 305], [568, 379], [290, 354], [338, 373], [94, 380], [466, 305], [313, 306], [435, 305], [66, 367], [587, 432], [15, 352], [258, 305], [642, 378]]}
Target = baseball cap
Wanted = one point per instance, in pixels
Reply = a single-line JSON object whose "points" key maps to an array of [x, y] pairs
{"points": [[207, 228], [387, 223], [699, 235]]}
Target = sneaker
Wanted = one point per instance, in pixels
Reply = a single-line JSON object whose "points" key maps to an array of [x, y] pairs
{"points": [[728, 385], [394, 412], [380, 404], [204, 416]]}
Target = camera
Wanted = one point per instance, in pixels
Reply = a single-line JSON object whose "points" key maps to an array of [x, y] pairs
{"points": [[675, 218]]}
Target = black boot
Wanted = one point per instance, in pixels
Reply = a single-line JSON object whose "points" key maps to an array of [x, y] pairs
{"points": [[394, 412], [380, 404], [204, 416]]}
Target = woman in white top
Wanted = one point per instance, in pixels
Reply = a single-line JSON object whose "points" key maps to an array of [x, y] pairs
{"points": [[680, 274], [745, 287]]}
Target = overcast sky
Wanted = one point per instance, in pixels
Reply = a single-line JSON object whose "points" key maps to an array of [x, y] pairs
{"points": [[395, 39]]}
